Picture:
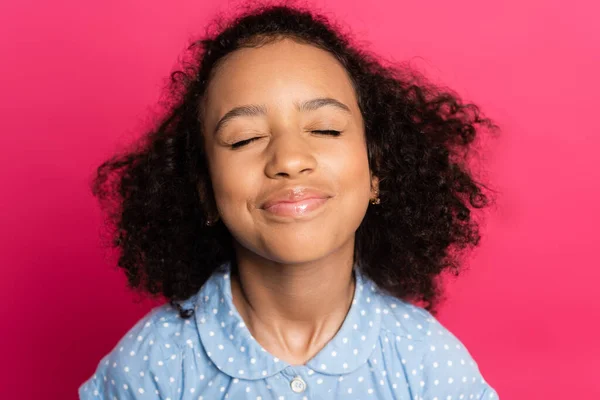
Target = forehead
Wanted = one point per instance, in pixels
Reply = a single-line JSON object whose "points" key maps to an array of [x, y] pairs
{"points": [[276, 75]]}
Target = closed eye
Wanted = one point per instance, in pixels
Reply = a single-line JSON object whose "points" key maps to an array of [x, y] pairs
{"points": [[242, 143], [329, 132]]}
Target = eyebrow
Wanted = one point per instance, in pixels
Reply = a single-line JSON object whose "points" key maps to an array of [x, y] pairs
{"points": [[252, 110]]}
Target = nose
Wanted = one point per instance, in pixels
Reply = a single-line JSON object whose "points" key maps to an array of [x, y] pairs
{"points": [[290, 156]]}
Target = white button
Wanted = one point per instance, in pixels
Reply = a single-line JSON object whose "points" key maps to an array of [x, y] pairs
{"points": [[298, 385]]}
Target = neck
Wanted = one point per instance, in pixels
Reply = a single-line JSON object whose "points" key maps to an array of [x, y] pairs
{"points": [[293, 310]]}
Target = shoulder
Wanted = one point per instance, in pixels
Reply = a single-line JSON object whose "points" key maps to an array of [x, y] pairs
{"points": [[444, 363], [404, 319], [148, 358], [424, 331]]}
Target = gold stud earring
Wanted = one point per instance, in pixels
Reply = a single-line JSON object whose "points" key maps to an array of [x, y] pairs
{"points": [[376, 200]]}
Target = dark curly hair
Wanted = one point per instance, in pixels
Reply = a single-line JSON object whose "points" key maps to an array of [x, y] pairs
{"points": [[418, 138]]}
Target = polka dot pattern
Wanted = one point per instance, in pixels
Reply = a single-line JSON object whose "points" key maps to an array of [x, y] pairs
{"points": [[386, 349]]}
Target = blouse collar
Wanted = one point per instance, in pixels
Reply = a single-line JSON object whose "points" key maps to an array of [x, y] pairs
{"points": [[231, 347]]}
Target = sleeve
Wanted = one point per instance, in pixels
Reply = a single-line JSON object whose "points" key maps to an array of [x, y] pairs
{"points": [[89, 389], [450, 370], [143, 365]]}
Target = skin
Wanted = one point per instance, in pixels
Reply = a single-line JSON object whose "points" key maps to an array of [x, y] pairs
{"points": [[295, 283]]}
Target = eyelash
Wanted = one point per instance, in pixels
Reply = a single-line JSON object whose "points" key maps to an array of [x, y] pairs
{"points": [[242, 143]]}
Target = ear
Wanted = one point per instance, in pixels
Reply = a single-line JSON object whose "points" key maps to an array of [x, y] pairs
{"points": [[374, 186], [206, 199], [201, 189]]}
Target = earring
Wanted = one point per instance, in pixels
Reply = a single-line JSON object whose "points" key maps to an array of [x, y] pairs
{"points": [[376, 200], [211, 222]]}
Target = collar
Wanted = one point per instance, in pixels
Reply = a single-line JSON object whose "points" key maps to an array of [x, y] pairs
{"points": [[231, 347]]}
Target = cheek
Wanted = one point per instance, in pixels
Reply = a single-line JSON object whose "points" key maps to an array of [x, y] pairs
{"points": [[351, 168], [233, 185]]}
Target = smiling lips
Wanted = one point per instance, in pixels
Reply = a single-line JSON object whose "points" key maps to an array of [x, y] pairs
{"points": [[295, 202]]}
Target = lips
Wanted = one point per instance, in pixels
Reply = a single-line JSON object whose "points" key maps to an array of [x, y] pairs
{"points": [[296, 201]]}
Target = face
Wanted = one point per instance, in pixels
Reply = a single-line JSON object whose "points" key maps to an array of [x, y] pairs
{"points": [[287, 185]]}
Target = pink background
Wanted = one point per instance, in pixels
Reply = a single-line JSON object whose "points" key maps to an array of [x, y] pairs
{"points": [[78, 78]]}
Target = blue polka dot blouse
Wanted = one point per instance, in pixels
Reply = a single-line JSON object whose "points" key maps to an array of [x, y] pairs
{"points": [[386, 349]]}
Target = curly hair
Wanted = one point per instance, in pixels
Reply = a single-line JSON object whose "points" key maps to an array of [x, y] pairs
{"points": [[418, 139]]}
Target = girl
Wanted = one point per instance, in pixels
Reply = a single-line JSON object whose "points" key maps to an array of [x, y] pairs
{"points": [[293, 204]]}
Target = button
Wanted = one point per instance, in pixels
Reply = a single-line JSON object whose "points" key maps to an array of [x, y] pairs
{"points": [[298, 385]]}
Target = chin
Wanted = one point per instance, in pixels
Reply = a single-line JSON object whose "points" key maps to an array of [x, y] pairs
{"points": [[297, 251], [299, 256], [298, 243]]}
